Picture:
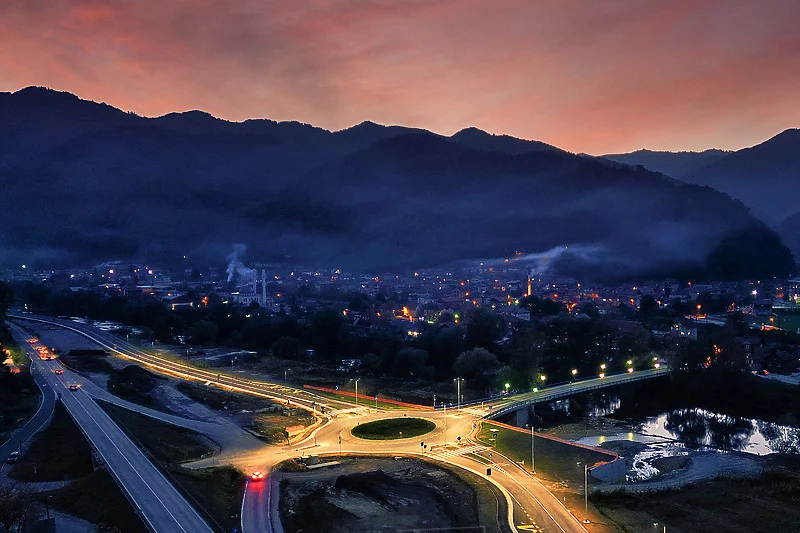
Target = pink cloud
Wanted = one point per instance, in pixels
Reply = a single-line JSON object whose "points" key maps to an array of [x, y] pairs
{"points": [[595, 77]]}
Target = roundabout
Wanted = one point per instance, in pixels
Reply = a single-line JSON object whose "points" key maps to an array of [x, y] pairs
{"points": [[393, 429]]}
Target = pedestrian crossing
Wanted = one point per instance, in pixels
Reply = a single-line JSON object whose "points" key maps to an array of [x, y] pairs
{"points": [[448, 452]]}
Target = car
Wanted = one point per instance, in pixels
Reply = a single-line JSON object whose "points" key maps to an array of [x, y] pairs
{"points": [[13, 457], [74, 386], [764, 372], [258, 475], [59, 371]]}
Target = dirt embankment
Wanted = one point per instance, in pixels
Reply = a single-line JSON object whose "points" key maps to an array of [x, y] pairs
{"points": [[386, 495]]}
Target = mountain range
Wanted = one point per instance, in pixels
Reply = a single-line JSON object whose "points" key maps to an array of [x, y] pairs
{"points": [[84, 182], [765, 177]]}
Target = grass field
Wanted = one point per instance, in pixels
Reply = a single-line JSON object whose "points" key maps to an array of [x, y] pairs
{"points": [[135, 384], [217, 492], [98, 499], [165, 442], [362, 402], [87, 363], [57, 453], [393, 428], [765, 504], [222, 400], [270, 422], [555, 461]]}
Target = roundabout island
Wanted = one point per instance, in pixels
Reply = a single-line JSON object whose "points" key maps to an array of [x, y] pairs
{"points": [[393, 429]]}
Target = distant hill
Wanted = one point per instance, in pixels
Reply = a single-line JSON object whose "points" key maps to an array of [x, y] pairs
{"points": [[765, 177], [84, 182], [475, 138], [789, 230], [675, 164]]}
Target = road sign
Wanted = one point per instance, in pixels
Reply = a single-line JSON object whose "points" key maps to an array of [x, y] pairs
{"points": [[337, 387]]}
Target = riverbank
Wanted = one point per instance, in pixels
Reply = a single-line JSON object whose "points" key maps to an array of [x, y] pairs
{"points": [[763, 503]]}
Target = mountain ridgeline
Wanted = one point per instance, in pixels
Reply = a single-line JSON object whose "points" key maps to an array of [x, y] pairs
{"points": [[84, 182]]}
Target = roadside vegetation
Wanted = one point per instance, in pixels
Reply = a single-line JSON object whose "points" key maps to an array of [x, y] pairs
{"points": [[222, 400], [164, 442], [87, 361], [19, 396], [393, 428], [765, 504], [555, 461], [82, 498], [264, 417], [216, 492], [135, 384], [57, 453]]}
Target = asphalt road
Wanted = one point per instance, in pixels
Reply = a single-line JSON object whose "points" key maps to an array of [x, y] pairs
{"points": [[161, 506], [22, 436], [531, 504], [300, 397]]}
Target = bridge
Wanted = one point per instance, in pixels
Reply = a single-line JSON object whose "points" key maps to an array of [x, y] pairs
{"points": [[521, 402]]}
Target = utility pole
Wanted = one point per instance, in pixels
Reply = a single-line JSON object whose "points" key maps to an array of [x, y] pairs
{"points": [[444, 404], [533, 464], [586, 493], [458, 392]]}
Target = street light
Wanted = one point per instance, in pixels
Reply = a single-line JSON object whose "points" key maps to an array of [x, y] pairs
{"points": [[458, 391], [543, 378], [603, 366], [508, 385], [586, 493], [574, 372], [533, 457], [357, 395]]}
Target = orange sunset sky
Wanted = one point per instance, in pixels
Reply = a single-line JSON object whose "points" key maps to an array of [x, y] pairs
{"points": [[593, 76]]}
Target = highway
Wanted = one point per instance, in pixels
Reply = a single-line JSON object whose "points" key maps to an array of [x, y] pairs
{"points": [[530, 503], [22, 435], [161, 506], [299, 397]]}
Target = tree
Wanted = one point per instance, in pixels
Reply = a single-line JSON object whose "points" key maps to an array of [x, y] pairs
{"points": [[648, 305], [324, 330], [16, 504], [484, 328], [541, 307], [203, 332], [6, 300], [478, 365], [286, 348], [411, 362], [751, 253], [525, 354]]}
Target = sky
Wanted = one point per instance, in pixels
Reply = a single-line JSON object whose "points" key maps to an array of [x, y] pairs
{"points": [[594, 76]]}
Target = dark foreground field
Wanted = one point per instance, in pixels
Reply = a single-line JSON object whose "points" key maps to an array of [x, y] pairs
{"points": [[371, 494], [768, 503]]}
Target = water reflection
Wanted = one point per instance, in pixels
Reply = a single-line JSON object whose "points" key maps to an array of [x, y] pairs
{"points": [[603, 404], [781, 439], [703, 428]]}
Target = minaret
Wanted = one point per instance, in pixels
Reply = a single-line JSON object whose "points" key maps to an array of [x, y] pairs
{"points": [[263, 288]]}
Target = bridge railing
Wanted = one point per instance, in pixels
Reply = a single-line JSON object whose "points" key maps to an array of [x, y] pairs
{"points": [[576, 388]]}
